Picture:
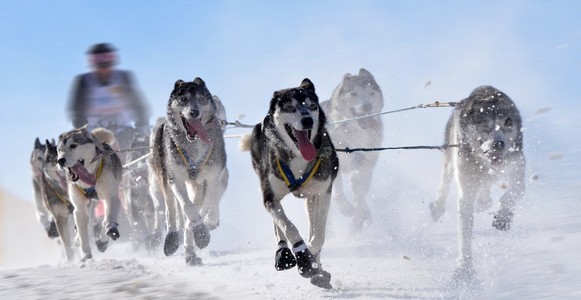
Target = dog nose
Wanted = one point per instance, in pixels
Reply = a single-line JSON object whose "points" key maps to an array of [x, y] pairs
{"points": [[307, 123], [62, 161], [498, 145], [194, 113]]}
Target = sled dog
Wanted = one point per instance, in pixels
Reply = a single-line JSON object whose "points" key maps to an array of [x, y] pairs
{"points": [[56, 199], [189, 162], [93, 172], [292, 153], [356, 96], [487, 126], [43, 216]]}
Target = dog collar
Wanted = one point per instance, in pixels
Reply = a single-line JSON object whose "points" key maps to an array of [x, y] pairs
{"points": [[295, 183]]}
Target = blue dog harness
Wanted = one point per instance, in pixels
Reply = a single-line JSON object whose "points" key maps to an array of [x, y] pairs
{"points": [[289, 178]]}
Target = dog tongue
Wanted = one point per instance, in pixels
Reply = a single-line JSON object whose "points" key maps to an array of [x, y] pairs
{"points": [[305, 146], [196, 126], [83, 174]]}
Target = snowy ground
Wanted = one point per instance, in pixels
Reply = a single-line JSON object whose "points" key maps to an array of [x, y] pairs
{"points": [[403, 254]]}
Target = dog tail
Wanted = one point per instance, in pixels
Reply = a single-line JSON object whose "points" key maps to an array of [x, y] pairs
{"points": [[104, 135], [245, 143]]}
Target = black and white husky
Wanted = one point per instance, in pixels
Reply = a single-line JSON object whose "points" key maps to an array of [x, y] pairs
{"points": [[93, 172], [189, 165], [293, 153], [357, 96], [487, 126]]}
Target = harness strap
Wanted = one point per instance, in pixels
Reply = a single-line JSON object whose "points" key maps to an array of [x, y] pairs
{"points": [[186, 159], [287, 175]]}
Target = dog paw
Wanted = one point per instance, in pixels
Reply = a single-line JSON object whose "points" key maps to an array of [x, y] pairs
{"points": [[437, 211], [102, 246], [465, 276], [52, 230], [171, 245], [87, 257], [284, 259], [502, 219], [322, 280], [191, 258], [201, 236], [152, 242]]}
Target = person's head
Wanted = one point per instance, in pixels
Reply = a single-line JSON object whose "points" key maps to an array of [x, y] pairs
{"points": [[102, 56]]}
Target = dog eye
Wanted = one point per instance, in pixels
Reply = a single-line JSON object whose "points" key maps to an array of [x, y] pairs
{"points": [[288, 107], [203, 100], [73, 146], [313, 106]]}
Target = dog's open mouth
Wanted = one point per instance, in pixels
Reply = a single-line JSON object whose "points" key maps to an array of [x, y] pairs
{"points": [[303, 142], [195, 129], [78, 171]]}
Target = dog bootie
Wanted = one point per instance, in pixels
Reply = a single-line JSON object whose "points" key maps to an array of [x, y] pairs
{"points": [[112, 231], [201, 236], [322, 280], [102, 246], [502, 219], [284, 259], [171, 245], [306, 262]]}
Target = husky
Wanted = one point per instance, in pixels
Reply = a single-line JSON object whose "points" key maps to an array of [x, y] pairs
{"points": [[93, 172], [56, 199], [42, 214], [487, 126], [189, 162], [292, 153], [356, 96]]}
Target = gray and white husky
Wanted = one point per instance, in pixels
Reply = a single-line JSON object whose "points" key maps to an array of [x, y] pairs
{"points": [[93, 172], [356, 96], [43, 216], [293, 153], [189, 162], [487, 126], [56, 199]]}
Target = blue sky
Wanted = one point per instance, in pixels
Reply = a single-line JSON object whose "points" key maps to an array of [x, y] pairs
{"points": [[245, 50]]}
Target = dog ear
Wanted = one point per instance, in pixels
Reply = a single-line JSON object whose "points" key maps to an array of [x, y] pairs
{"points": [[48, 144], [199, 81], [307, 85], [178, 83], [364, 73], [37, 144]]}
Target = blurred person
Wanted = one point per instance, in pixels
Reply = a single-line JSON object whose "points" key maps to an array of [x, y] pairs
{"points": [[108, 97]]}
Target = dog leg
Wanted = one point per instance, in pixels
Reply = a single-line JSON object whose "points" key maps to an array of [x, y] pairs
{"points": [[438, 207], [112, 207], [62, 220], [317, 211], [361, 183], [81, 221], [214, 192], [194, 221], [467, 194], [195, 231], [516, 189], [344, 206], [172, 239]]}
